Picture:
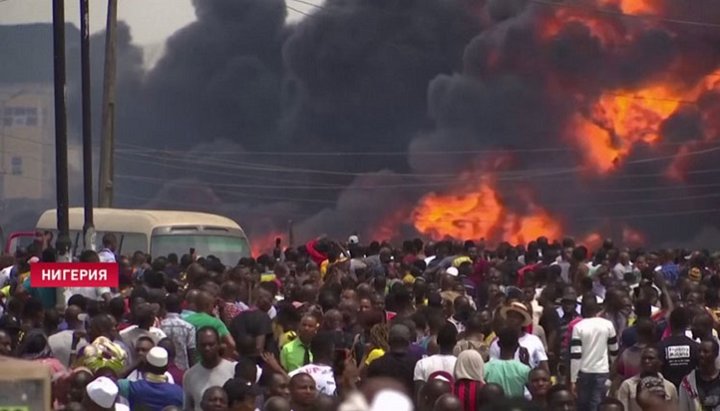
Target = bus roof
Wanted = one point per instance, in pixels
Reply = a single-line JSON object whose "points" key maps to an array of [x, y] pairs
{"points": [[128, 220]]}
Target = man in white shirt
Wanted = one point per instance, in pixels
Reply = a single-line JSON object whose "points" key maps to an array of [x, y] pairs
{"points": [[531, 350], [109, 245], [211, 371], [322, 348], [443, 362], [592, 346], [91, 293], [563, 261], [143, 319], [625, 267]]}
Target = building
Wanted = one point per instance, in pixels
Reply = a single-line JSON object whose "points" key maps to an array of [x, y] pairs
{"points": [[27, 142]]}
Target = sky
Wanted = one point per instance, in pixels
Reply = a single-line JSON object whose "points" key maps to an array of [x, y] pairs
{"points": [[151, 21]]}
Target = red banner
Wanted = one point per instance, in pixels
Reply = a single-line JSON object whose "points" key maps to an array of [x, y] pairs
{"points": [[73, 275]]}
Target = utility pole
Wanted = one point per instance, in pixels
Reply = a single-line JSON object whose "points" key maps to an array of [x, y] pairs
{"points": [[88, 226], [61, 159], [291, 233], [105, 183]]}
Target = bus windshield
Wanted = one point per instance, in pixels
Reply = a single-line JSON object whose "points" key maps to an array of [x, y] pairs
{"points": [[228, 249]]}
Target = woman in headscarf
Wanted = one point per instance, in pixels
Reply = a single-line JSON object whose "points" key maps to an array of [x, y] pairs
{"points": [[469, 371]]}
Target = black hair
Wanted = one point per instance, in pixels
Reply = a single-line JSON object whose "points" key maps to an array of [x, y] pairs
{"points": [[78, 300], [322, 345], [643, 308], [590, 307], [173, 303], [169, 346], [580, 253], [328, 299], [89, 256], [32, 308], [205, 329], [714, 343], [447, 337], [246, 369], [508, 338], [555, 389], [239, 390], [116, 307], [679, 319], [49, 255], [269, 286], [245, 345], [109, 239], [145, 338], [646, 329], [154, 278]]}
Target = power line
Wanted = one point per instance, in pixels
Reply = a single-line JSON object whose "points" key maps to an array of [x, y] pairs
{"points": [[652, 215], [296, 10], [140, 149], [499, 176], [622, 14], [309, 4], [243, 194]]}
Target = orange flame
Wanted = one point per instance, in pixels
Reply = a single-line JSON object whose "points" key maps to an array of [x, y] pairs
{"points": [[632, 237], [480, 213], [592, 241], [618, 122], [633, 6], [265, 243]]}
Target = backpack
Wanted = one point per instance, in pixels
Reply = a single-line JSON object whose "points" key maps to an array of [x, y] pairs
{"points": [[524, 355], [464, 345]]}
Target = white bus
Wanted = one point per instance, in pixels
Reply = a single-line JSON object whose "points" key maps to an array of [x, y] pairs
{"points": [[157, 232]]}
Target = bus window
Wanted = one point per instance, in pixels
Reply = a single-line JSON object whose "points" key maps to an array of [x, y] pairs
{"points": [[131, 242], [228, 249]]}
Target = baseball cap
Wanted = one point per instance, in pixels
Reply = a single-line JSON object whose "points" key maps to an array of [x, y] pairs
{"points": [[157, 357], [353, 239], [102, 391], [453, 271]]}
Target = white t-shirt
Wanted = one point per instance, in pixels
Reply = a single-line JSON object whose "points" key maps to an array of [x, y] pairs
{"points": [[323, 376], [530, 342], [5, 275], [106, 256], [434, 363]]}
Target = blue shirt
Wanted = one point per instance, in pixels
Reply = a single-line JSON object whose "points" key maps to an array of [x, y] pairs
{"points": [[146, 395], [47, 296]]}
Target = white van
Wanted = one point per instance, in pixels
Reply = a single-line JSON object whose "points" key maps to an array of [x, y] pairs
{"points": [[157, 232]]}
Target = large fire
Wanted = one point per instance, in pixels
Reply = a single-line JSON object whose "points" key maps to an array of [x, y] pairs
{"points": [[479, 212], [604, 132]]}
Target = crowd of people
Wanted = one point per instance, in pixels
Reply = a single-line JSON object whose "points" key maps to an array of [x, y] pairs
{"points": [[329, 325]]}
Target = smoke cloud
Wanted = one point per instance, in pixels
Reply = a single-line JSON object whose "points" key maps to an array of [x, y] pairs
{"points": [[345, 121]]}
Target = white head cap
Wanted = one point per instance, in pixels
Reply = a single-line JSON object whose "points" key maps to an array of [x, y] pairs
{"points": [[157, 357], [102, 392]]}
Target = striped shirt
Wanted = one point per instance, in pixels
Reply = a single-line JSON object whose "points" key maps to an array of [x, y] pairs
{"points": [[182, 334], [468, 391], [592, 340]]}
